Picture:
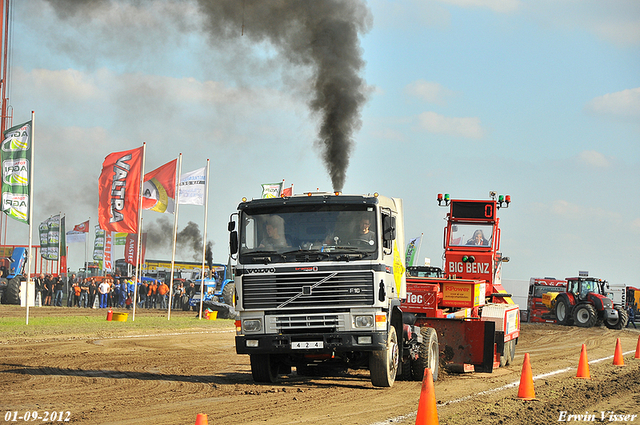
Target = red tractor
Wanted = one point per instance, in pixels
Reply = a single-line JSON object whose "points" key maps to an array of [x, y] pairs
{"points": [[585, 304]]}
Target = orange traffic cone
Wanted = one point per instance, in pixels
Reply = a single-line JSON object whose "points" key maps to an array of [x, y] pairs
{"points": [[583, 366], [427, 410], [617, 356], [525, 390], [637, 356], [201, 419]]}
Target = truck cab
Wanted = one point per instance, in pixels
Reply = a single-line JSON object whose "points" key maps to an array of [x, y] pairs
{"points": [[319, 278]]}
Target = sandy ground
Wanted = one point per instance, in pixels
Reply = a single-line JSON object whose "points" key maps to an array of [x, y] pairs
{"points": [[132, 378]]}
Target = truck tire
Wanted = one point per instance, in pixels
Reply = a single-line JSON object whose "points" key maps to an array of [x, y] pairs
{"points": [[584, 315], [620, 323], [263, 368], [228, 293], [508, 354], [563, 312], [12, 291], [384, 364], [428, 356]]}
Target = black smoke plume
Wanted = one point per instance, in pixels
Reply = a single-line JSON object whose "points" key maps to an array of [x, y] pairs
{"points": [[320, 35], [188, 240]]}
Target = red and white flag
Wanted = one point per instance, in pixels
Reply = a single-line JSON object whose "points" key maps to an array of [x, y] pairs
{"points": [[82, 227], [119, 189], [159, 188]]}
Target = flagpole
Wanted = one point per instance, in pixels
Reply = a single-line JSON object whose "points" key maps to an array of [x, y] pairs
{"points": [[26, 291], [135, 286], [175, 233], [204, 237]]}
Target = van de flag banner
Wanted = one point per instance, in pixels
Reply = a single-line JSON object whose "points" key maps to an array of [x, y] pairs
{"points": [[119, 190], [159, 188], [98, 244], [192, 187], [411, 251], [49, 231], [271, 190], [16, 171]]}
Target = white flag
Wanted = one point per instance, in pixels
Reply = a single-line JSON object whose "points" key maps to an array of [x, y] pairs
{"points": [[73, 236], [192, 187]]}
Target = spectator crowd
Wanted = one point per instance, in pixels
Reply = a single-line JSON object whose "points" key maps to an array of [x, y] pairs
{"points": [[111, 292]]}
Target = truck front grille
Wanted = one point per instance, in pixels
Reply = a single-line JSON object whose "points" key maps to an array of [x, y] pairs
{"points": [[307, 290]]}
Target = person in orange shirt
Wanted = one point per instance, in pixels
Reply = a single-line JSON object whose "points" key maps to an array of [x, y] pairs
{"points": [[76, 294], [152, 295], [163, 290]]}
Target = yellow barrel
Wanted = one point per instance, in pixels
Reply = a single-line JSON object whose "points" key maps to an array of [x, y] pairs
{"points": [[120, 317]]}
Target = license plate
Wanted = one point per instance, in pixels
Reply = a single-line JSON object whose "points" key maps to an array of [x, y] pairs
{"points": [[307, 345]]}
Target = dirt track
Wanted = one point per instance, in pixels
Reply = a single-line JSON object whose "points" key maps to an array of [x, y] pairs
{"points": [[169, 379]]}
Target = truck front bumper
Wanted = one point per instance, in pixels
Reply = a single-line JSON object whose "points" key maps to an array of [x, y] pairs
{"points": [[311, 343]]}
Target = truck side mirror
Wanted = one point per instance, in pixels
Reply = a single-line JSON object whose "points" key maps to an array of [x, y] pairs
{"points": [[233, 242], [231, 226]]}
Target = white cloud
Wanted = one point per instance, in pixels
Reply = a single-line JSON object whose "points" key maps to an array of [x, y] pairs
{"points": [[616, 21], [429, 91], [469, 127], [625, 103], [577, 213], [500, 6], [593, 158]]}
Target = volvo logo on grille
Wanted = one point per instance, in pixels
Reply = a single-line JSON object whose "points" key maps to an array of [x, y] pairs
{"points": [[306, 290], [261, 270]]}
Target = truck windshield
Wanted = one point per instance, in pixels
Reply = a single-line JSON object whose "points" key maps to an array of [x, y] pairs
{"points": [[325, 232], [470, 234]]}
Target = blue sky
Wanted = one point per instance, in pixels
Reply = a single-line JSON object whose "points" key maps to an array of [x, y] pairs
{"points": [[539, 100]]}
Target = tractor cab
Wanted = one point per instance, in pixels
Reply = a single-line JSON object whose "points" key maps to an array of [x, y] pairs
{"points": [[586, 288]]}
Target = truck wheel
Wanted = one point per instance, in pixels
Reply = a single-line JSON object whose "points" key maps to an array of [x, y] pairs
{"points": [[584, 315], [384, 364], [563, 310], [506, 354], [620, 323], [228, 293], [263, 368], [428, 355], [12, 291]]}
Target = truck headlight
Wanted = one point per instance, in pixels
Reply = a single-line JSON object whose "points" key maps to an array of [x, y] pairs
{"points": [[363, 321], [252, 325]]}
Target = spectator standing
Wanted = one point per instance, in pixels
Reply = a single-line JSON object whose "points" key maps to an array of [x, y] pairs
{"points": [[58, 286], [142, 292], [163, 290], [103, 289], [39, 283], [71, 281], [632, 318], [76, 294], [48, 290], [93, 290], [84, 293], [152, 295], [112, 298]]}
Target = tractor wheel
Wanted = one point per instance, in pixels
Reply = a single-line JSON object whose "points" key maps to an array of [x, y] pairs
{"points": [[384, 364], [620, 323], [264, 368], [228, 293], [428, 356], [563, 312], [12, 291], [584, 315]]}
